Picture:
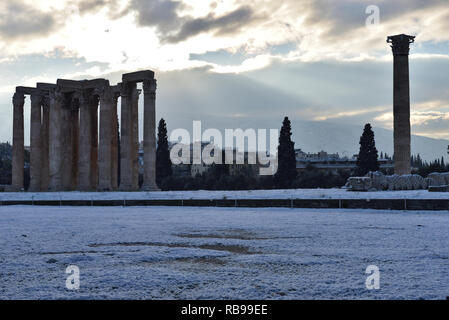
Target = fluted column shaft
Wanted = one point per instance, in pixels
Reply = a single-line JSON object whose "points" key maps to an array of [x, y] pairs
{"points": [[127, 141], [18, 142], [114, 149], [149, 135], [55, 141], [401, 110], [67, 144], [35, 143], [85, 140], [45, 144], [74, 125], [105, 152], [135, 138], [94, 143]]}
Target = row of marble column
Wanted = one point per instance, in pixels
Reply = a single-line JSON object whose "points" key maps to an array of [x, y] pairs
{"points": [[66, 151]]}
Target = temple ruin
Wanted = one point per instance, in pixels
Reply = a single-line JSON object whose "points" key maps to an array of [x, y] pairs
{"points": [[67, 149]]}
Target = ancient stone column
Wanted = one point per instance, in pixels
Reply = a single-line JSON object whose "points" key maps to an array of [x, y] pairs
{"points": [[45, 143], [35, 143], [74, 124], [127, 142], [18, 142], [67, 144], [114, 148], [94, 142], [149, 135], [55, 141], [85, 140], [105, 151], [135, 137], [400, 45]]}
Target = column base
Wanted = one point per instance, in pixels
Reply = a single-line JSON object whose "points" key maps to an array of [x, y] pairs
{"points": [[127, 188], [11, 188], [85, 189], [150, 187], [104, 188]]}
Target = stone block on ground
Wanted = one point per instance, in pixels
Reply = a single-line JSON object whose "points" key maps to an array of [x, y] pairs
{"points": [[359, 183], [378, 180], [444, 188], [436, 179]]}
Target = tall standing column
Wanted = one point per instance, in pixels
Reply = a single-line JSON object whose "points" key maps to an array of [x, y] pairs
{"points": [[149, 135], [400, 45], [55, 141], [75, 131], [18, 142], [45, 143], [126, 141], [35, 143], [94, 142], [135, 137], [115, 142], [106, 140], [85, 139], [67, 144]]}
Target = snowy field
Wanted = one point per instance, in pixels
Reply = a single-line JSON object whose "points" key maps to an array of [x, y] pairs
{"points": [[221, 253], [244, 194]]}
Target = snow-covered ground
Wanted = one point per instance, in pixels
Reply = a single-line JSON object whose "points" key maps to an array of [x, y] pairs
{"points": [[245, 194], [221, 253]]}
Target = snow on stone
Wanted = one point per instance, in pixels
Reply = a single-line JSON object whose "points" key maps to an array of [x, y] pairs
{"points": [[244, 194]]}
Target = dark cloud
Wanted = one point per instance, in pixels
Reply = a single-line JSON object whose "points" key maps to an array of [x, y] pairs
{"points": [[161, 14], [19, 20], [83, 7], [88, 6], [173, 28], [226, 24]]}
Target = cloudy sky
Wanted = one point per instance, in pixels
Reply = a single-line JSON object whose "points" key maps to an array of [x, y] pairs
{"points": [[236, 63]]}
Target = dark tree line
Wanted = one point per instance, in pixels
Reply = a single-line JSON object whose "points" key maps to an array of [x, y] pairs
{"points": [[423, 168]]}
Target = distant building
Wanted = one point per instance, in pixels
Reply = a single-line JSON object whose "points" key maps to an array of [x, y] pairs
{"points": [[331, 162], [194, 169], [244, 168], [199, 169]]}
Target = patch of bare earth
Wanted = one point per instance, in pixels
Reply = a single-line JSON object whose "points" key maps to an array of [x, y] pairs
{"points": [[203, 260], [218, 247]]}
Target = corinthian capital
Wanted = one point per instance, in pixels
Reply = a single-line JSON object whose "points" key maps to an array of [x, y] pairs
{"points": [[400, 43], [105, 94], [46, 102], [18, 99], [56, 96], [37, 98], [82, 97], [149, 86]]}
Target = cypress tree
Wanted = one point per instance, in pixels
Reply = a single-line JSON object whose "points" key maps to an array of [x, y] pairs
{"points": [[367, 159], [286, 172], [163, 162]]}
